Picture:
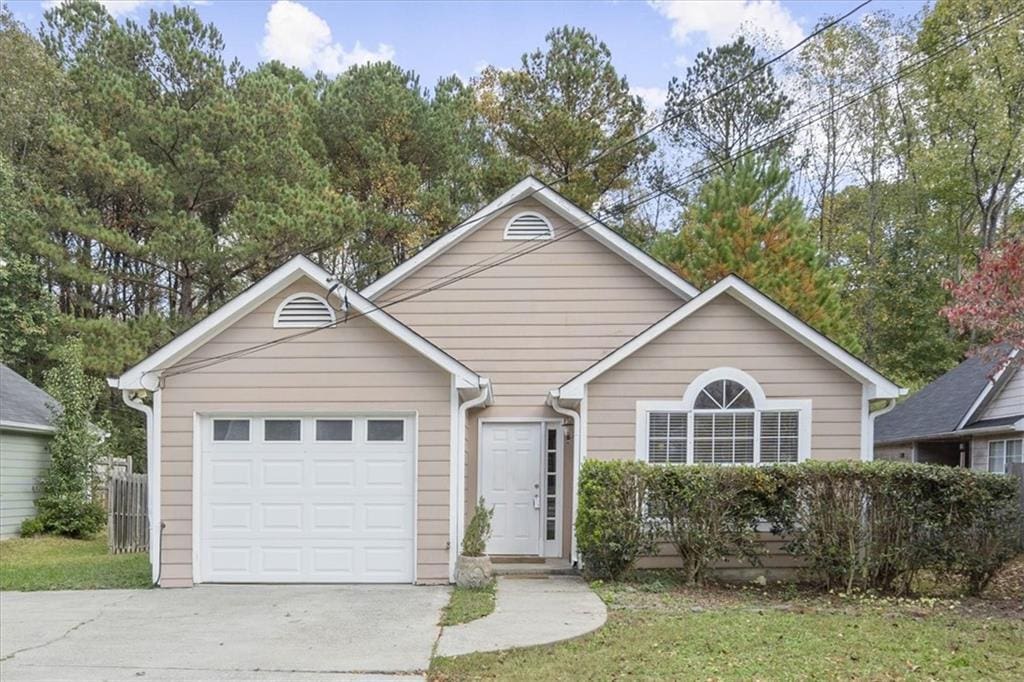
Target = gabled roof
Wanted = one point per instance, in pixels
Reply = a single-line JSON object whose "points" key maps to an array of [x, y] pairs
{"points": [[532, 188], [944, 406], [879, 386], [23, 405], [248, 300]]}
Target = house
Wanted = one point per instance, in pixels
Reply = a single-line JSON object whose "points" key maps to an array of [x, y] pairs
{"points": [[971, 416], [309, 432], [26, 427]]}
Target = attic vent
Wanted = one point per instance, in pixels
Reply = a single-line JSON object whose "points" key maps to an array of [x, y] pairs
{"points": [[528, 226], [304, 310]]}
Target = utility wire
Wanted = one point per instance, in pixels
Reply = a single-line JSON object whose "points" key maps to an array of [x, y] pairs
{"points": [[791, 128]]}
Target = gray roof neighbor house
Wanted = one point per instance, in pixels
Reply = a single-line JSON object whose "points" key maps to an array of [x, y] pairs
{"points": [[954, 419], [26, 426]]}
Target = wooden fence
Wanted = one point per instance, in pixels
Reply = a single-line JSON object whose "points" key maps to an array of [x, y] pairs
{"points": [[127, 519]]}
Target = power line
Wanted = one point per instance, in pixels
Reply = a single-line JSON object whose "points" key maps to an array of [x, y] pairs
{"points": [[694, 175]]}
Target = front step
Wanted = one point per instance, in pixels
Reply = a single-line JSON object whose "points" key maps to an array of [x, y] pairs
{"points": [[540, 569]]}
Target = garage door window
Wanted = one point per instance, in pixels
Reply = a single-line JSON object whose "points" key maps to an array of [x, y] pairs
{"points": [[390, 430], [231, 430], [278, 430], [334, 430]]}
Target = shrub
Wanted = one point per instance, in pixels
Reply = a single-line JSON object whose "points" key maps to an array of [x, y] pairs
{"points": [[709, 513], [612, 528], [65, 504], [877, 525], [31, 527], [478, 531]]}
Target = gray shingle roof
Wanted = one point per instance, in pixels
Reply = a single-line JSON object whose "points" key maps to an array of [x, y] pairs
{"points": [[939, 406], [21, 401]]}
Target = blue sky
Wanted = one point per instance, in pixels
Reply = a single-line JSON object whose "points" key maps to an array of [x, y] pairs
{"points": [[650, 41]]}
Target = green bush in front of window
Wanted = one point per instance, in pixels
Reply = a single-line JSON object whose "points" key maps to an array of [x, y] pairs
{"points": [[865, 525]]}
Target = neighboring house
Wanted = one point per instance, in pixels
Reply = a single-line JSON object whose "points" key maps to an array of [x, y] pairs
{"points": [[25, 433], [354, 453], [971, 416]]}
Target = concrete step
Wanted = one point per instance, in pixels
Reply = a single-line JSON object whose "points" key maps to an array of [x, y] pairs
{"points": [[533, 570]]}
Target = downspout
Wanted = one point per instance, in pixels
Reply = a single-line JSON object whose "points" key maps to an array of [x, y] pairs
{"points": [[153, 483], [460, 497], [890, 403], [576, 449]]}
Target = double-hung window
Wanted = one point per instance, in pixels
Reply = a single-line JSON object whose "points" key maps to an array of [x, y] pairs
{"points": [[723, 420], [1003, 453]]}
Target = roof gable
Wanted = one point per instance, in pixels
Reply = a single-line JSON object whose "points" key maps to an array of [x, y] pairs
{"points": [[879, 386], [531, 187], [251, 298]]}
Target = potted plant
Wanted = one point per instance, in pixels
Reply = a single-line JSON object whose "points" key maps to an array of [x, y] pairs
{"points": [[474, 566]]}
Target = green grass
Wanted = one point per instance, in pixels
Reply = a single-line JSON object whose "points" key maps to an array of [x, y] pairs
{"points": [[678, 634], [468, 604], [53, 563]]}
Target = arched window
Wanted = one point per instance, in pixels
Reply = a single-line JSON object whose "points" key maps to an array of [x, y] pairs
{"points": [[724, 418]]}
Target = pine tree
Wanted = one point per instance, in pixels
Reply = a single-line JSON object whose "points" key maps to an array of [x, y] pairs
{"points": [[747, 222]]}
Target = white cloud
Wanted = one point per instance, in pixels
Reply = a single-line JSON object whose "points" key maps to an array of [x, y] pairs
{"points": [[654, 98], [719, 20], [120, 8], [301, 38]]}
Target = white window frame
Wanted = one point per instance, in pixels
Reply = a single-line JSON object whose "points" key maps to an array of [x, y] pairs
{"points": [[761, 404], [1005, 442], [532, 214], [278, 324]]}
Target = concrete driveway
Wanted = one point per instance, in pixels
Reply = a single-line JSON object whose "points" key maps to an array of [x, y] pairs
{"points": [[265, 632]]}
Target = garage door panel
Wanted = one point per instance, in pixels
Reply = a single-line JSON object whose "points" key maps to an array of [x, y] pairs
{"points": [[307, 511]]}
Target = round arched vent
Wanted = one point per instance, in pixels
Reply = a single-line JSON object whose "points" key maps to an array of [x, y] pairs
{"points": [[304, 310], [527, 226]]}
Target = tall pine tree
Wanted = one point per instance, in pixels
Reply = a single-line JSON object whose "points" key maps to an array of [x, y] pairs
{"points": [[747, 222]]}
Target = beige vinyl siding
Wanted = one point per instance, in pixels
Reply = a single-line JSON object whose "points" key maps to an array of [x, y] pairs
{"points": [[1009, 402], [355, 367], [725, 333], [530, 324], [23, 459], [535, 322]]}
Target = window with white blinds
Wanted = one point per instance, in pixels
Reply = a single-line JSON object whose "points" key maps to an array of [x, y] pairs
{"points": [[724, 420], [666, 437], [780, 437], [1003, 453]]}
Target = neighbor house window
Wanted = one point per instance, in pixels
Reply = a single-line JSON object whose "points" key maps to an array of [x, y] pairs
{"points": [[1003, 453], [724, 418]]}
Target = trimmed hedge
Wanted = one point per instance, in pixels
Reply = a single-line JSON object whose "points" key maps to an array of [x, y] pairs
{"points": [[869, 525]]}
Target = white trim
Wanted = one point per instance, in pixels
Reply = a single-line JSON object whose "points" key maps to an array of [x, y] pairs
{"points": [[530, 214], [26, 427], [278, 324], [453, 480], [533, 188], [553, 548], [459, 512], [552, 401], [197, 490], [878, 385], [248, 300], [990, 386], [152, 415], [761, 404]]}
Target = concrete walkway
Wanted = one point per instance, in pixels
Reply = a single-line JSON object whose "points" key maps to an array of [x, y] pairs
{"points": [[528, 612]]}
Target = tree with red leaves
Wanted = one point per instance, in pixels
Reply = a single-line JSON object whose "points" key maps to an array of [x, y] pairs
{"points": [[989, 304]]}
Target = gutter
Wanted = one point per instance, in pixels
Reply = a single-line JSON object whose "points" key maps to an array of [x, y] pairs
{"points": [[26, 427], [132, 400], [962, 433], [485, 396], [577, 429]]}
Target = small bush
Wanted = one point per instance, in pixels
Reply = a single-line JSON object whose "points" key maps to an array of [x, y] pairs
{"points": [[478, 531], [31, 527], [612, 528], [710, 512]]}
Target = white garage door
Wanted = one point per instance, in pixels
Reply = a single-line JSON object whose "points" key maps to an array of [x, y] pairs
{"points": [[307, 499]]}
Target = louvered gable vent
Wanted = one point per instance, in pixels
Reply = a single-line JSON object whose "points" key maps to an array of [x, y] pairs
{"points": [[304, 310], [527, 226]]}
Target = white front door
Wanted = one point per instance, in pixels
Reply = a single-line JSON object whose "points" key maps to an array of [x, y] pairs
{"points": [[510, 476]]}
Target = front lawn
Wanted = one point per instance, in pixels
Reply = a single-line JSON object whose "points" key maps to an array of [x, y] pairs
{"points": [[468, 604], [53, 563], [659, 630]]}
